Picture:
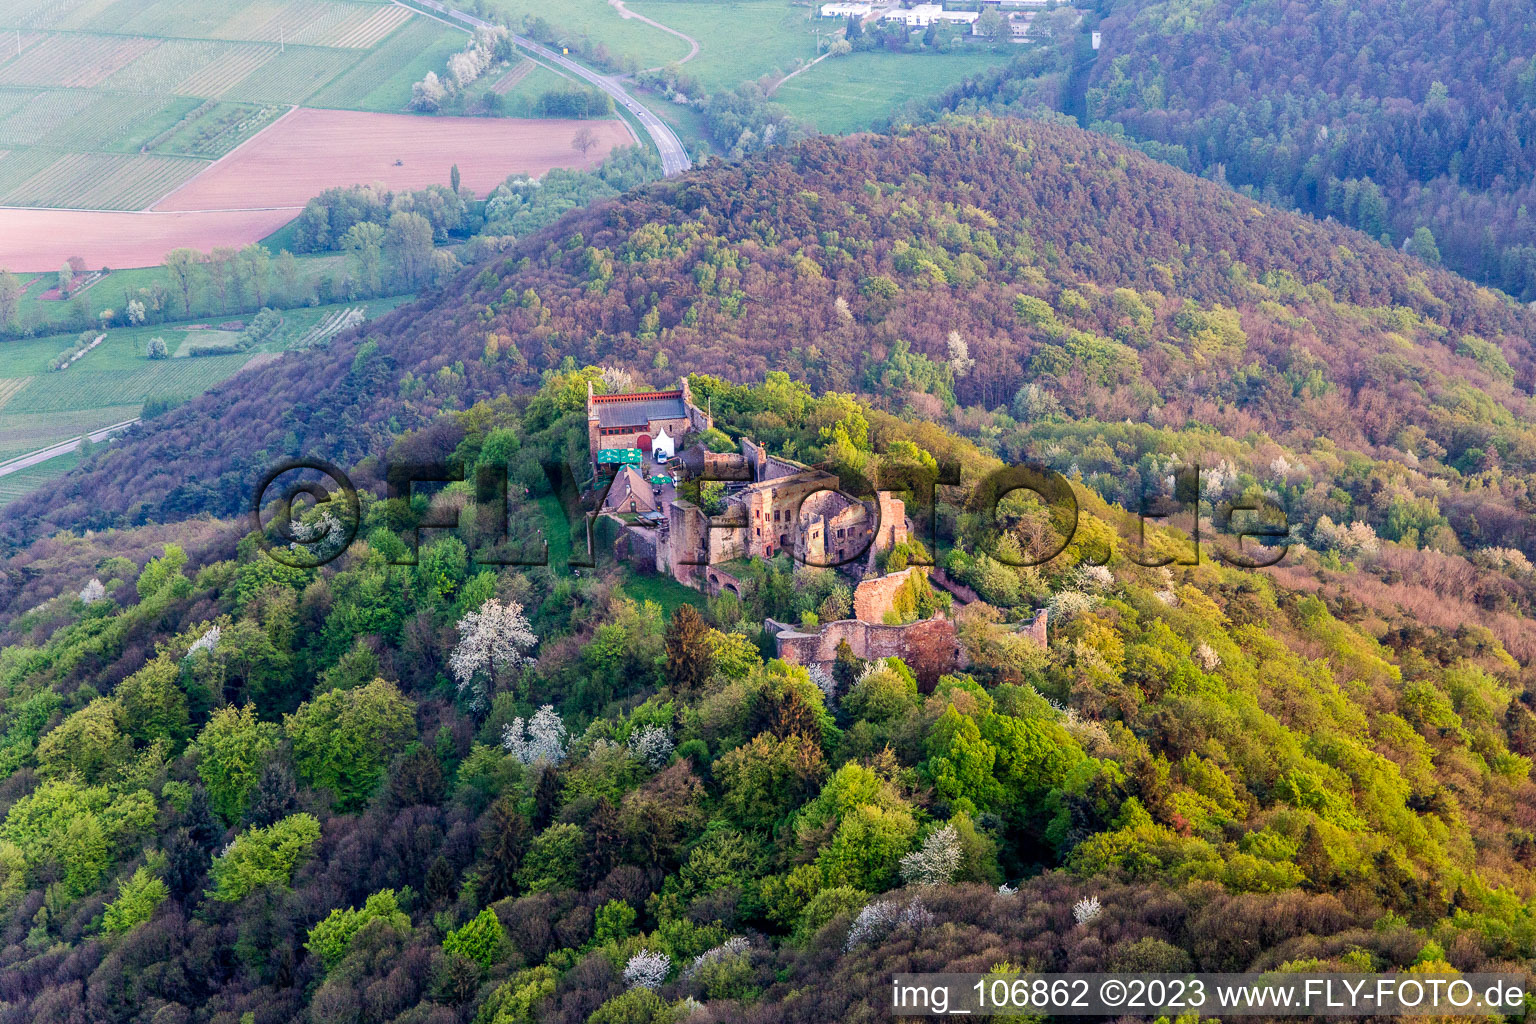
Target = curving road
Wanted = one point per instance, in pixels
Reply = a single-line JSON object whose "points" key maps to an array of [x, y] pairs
{"points": [[674, 157], [53, 451]]}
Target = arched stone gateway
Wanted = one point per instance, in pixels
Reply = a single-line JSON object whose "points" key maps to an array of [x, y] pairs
{"points": [[643, 442]]}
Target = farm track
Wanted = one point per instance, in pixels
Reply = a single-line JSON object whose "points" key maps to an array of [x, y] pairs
{"points": [[693, 44], [10, 387], [333, 324], [514, 77]]}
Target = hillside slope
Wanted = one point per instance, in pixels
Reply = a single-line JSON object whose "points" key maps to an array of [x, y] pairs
{"points": [[238, 792], [824, 259], [1391, 117]]}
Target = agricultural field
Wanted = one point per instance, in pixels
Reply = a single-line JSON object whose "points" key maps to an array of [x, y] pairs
{"points": [[311, 150], [214, 128], [27, 480], [382, 80], [103, 181], [857, 91], [21, 433], [32, 239], [110, 384], [118, 119], [646, 45], [739, 41]]}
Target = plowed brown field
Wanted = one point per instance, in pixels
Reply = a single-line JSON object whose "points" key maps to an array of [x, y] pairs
{"points": [[263, 184], [312, 150]]}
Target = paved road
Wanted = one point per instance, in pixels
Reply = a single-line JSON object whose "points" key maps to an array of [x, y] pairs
{"points": [[31, 459], [674, 157]]}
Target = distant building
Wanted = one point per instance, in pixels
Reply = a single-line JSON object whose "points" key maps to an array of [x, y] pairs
{"points": [[636, 421], [846, 10], [923, 15], [1096, 38]]}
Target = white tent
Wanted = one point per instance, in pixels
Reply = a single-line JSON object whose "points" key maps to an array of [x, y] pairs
{"points": [[663, 445]]}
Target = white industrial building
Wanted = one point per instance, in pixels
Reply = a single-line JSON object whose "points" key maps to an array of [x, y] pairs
{"points": [[846, 10], [923, 15]]}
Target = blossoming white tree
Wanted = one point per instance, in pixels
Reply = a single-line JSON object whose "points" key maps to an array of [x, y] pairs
{"points": [[879, 919], [495, 638], [92, 592], [647, 969], [209, 642], [738, 946], [937, 862], [539, 740], [1086, 909], [651, 746]]}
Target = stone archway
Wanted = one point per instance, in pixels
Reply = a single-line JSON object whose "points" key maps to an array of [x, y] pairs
{"points": [[643, 442]]}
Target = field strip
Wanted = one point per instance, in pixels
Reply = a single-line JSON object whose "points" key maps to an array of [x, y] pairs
{"points": [[9, 386], [315, 149], [275, 122], [510, 80], [40, 240], [149, 212]]}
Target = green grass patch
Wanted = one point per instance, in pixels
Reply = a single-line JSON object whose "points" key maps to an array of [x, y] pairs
{"points": [[522, 96], [739, 41], [557, 533], [596, 20], [78, 389], [855, 92], [663, 590]]}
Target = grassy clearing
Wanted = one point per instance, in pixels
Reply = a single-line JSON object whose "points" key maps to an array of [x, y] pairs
{"points": [[665, 591], [557, 533], [595, 19], [534, 83], [854, 93], [739, 41]]}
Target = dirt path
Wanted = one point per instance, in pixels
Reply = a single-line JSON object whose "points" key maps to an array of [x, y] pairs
{"points": [[798, 71], [512, 78], [693, 44]]}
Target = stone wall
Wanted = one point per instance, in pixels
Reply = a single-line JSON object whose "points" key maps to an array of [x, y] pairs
{"points": [[930, 647], [637, 546], [873, 598], [1036, 629]]}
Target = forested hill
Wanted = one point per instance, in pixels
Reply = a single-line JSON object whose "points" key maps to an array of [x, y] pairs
{"points": [[431, 790], [1390, 116], [1119, 284]]}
